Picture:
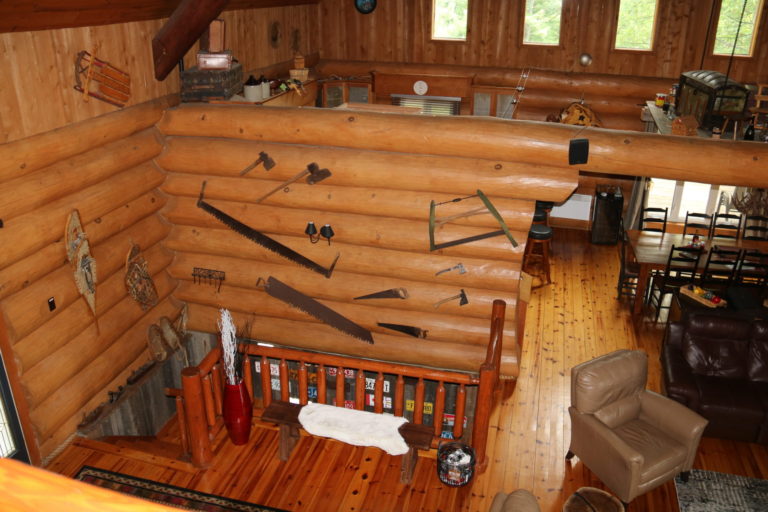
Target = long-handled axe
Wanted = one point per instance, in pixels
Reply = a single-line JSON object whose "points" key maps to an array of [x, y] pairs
{"points": [[314, 175]]}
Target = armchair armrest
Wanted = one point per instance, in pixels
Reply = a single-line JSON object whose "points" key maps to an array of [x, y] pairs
{"points": [[679, 380], [674, 419], [673, 335], [616, 463]]}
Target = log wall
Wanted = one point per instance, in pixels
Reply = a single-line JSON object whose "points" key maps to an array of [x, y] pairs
{"points": [[399, 31], [377, 201], [103, 168], [37, 66]]}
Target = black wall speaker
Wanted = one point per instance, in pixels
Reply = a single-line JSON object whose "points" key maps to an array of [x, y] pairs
{"points": [[578, 151]]}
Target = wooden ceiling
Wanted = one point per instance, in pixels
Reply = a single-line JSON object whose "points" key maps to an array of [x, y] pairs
{"points": [[23, 15]]}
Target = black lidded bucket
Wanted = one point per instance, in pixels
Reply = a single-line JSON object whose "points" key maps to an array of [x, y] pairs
{"points": [[455, 464]]}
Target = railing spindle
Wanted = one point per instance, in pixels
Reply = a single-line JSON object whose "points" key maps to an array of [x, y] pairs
{"points": [[360, 390], [210, 411], [192, 392], [248, 375], [437, 414], [339, 386], [181, 418], [461, 404], [418, 406], [303, 391], [266, 382], [399, 395], [321, 383], [216, 379], [284, 391], [378, 394]]}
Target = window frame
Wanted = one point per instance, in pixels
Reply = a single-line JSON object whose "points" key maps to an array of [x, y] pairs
{"points": [[523, 6], [676, 213], [432, 37], [713, 30], [654, 32]]}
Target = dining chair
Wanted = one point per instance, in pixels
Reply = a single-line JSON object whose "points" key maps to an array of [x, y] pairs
{"points": [[654, 219], [697, 224], [755, 228], [726, 225], [679, 271], [752, 268], [629, 270], [720, 269]]}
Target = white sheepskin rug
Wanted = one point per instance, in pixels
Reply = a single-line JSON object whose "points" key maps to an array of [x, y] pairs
{"points": [[359, 428]]}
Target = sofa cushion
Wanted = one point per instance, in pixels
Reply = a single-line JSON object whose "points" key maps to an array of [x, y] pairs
{"points": [[757, 366], [717, 346], [619, 412], [730, 400]]}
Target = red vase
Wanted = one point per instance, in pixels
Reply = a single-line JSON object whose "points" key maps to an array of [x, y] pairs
{"points": [[238, 411]]}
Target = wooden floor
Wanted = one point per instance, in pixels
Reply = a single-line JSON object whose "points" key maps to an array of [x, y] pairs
{"points": [[572, 320]]}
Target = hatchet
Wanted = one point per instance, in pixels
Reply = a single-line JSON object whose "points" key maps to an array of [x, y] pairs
{"points": [[461, 296], [314, 175], [264, 158]]}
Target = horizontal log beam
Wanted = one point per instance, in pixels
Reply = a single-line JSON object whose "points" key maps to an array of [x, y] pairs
{"points": [[435, 174], [611, 151]]}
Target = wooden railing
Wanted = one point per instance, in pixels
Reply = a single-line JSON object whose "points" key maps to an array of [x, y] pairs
{"points": [[199, 402]]}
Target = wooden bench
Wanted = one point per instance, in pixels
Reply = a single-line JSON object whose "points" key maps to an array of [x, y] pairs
{"points": [[286, 416]]}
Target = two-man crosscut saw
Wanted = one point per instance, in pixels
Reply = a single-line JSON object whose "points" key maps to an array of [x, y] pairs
{"points": [[263, 240], [435, 221], [307, 304]]}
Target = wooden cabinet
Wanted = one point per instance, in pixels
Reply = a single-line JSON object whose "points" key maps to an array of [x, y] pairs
{"points": [[337, 92]]}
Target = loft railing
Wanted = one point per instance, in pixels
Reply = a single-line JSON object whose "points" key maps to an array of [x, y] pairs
{"points": [[296, 375]]}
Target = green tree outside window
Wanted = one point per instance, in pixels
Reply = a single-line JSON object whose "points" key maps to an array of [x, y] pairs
{"points": [[542, 22], [449, 19], [728, 25], [636, 25]]}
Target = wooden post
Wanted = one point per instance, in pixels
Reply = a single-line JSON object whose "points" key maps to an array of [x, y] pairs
{"points": [[192, 391], [489, 379]]}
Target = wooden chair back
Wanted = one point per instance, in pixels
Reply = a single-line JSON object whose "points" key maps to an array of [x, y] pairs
{"points": [[697, 224], [726, 225], [755, 228], [654, 219]]}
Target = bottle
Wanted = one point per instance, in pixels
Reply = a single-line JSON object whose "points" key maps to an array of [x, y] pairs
{"points": [[715, 132], [749, 133], [265, 93]]}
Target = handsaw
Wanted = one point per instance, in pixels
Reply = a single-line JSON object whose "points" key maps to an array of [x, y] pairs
{"points": [[410, 330], [263, 240], [295, 298], [392, 293]]}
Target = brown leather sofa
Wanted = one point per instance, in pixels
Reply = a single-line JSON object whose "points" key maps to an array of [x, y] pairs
{"points": [[718, 367]]}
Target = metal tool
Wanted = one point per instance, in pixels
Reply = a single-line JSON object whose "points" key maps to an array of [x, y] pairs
{"points": [[263, 240], [459, 267], [410, 330], [295, 298], [435, 221], [461, 296], [264, 158], [209, 275], [314, 175], [392, 293]]}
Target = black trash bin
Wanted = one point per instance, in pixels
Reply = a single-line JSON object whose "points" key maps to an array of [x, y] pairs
{"points": [[455, 463], [606, 215]]}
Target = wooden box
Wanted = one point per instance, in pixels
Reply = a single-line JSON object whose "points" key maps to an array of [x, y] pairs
{"points": [[688, 292], [685, 125], [211, 84]]}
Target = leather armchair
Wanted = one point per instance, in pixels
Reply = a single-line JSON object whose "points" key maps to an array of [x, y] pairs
{"points": [[633, 439]]}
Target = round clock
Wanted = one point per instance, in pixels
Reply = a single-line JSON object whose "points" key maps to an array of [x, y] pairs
{"points": [[420, 87], [365, 6]]}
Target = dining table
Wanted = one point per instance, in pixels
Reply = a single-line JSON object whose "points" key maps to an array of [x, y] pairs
{"points": [[651, 250]]}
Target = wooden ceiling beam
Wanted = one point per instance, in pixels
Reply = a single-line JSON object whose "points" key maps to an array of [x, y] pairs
{"points": [[24, 16]]}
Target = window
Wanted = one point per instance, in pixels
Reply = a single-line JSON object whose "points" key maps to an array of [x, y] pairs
{"points": [[636, 25], [730, 22], [688, 196], [542, 22], [449, 19]]}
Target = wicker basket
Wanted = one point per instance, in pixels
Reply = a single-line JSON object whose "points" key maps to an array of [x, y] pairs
{"points": [[300, 74]]}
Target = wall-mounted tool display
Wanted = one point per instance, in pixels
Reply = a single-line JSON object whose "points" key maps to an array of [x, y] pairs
{"points": [[296, 299], [138, 282], [462, 296], [264, 158], [410, 330], [392, 293], [83, 264], [206, 275], [313, 172], [459, 267], [263, 240], [435, 222], [98, 79]]}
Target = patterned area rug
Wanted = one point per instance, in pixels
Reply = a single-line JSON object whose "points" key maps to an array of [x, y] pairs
{"points": [[169, 495], [709, 491]]}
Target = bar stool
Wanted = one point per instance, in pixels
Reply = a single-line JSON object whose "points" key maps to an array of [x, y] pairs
{"points": [[538, 246]]}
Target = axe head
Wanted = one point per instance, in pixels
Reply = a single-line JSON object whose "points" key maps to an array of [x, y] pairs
{"points": [[461, 269], [463, 298], [316, 175], [267, 160]]}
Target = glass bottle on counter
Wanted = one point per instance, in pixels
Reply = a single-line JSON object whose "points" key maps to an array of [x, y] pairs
{"points": [[749, 133]]}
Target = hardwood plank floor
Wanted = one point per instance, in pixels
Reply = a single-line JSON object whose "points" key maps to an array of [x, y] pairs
{"points": [[572, 320]]}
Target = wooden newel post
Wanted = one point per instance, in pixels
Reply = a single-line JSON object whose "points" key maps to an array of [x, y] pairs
{"points": [[199, 442], [489, 380]]}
